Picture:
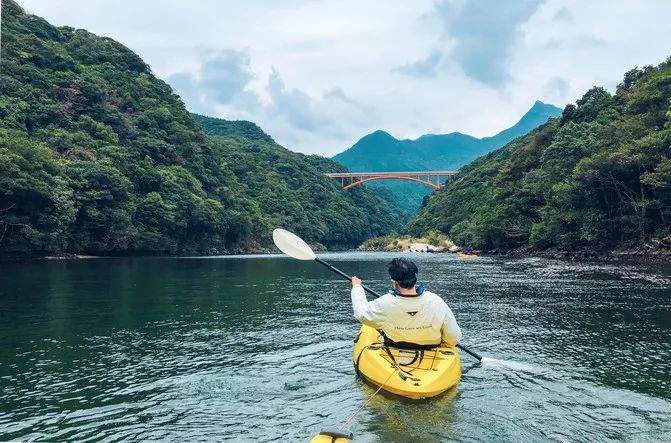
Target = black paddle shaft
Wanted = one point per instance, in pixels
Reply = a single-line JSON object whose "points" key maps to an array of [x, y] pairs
{"points": [[345, 276], [469, 352], [371, 292]]}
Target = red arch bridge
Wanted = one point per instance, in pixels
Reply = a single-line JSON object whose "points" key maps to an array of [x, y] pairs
{"points": [[429, 178]]}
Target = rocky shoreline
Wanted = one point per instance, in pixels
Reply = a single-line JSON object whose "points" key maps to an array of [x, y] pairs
{"points": [[412, 247], [656, 250], [433, 242]]}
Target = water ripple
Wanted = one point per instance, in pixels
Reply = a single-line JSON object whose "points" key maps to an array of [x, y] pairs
{"points": [[259, 349]]}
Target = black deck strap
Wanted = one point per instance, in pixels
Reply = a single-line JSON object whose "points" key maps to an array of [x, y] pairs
{"points": [[401, 373], [337, 433], [408, 346], [420, 354], [414, 358], [391, 356], [405, 344]]}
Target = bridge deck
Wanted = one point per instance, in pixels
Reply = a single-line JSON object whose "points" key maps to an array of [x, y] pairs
{"points": [[429, 178], [395, 174]]}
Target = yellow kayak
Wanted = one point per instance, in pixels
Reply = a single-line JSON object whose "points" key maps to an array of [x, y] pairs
{"points": [[332, 437], [462, 255], [414, 374]]}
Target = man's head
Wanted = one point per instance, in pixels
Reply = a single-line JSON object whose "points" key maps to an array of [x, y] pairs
{"points": [[403, 272]]}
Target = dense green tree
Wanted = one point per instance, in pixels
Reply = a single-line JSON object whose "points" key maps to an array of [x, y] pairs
{"points": [[99, 156], [290, 189], [36, 203]]}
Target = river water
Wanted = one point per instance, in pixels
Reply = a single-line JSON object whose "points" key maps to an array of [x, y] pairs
{"points": [[259, 349]]}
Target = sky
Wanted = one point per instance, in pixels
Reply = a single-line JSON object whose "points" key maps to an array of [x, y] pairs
{"points": [[318, 75]]}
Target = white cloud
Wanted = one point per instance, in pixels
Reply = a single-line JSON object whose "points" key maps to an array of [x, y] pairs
{"points": [[427, 67], [318, 75], [221, 80], [484, 32]]}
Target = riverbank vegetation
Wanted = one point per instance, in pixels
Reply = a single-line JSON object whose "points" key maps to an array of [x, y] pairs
{"points": [[599, 177], [434, 241], [98, 156]]}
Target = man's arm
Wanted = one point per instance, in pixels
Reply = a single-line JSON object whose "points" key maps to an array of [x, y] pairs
{"points": [[450, 330], [366, 312]]}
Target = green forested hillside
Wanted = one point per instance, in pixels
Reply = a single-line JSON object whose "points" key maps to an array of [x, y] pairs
{"points": [[598, 177], [217, 126], [380, 151], [99, 156], [291, 189]]}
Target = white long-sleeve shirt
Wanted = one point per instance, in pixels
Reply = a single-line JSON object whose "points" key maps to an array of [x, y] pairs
{"points": [[425, 319]]}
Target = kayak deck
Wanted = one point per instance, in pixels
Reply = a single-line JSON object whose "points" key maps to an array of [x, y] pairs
{"points": [[414, 374]]}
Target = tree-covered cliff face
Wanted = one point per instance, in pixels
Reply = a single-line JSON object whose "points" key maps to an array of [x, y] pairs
{"points": [[99, 156], [598, 177]]}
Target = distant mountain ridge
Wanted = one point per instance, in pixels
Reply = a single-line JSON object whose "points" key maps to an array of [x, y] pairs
{"points": [[380, 151]]}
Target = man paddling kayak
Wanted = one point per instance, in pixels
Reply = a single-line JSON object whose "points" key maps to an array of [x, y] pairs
{"points": [[408, 315]]}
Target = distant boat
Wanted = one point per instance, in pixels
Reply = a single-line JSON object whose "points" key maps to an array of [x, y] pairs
{"points": [[464, 255]]}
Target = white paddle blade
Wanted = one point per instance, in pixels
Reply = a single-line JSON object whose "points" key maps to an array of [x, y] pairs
{"points": [[292, 245]]}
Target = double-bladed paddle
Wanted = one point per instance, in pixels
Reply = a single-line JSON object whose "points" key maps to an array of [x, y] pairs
{"points": [[294, 246]]}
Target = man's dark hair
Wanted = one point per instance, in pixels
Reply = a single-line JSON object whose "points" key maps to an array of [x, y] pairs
{"points": [[403, 271]]}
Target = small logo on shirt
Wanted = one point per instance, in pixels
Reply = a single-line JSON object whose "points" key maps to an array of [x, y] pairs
{"points": [[412, 313]]}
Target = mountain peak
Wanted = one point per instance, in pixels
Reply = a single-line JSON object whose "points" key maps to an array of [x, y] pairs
{"points": [[379, 135], [537, 115], [547, 108]]}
